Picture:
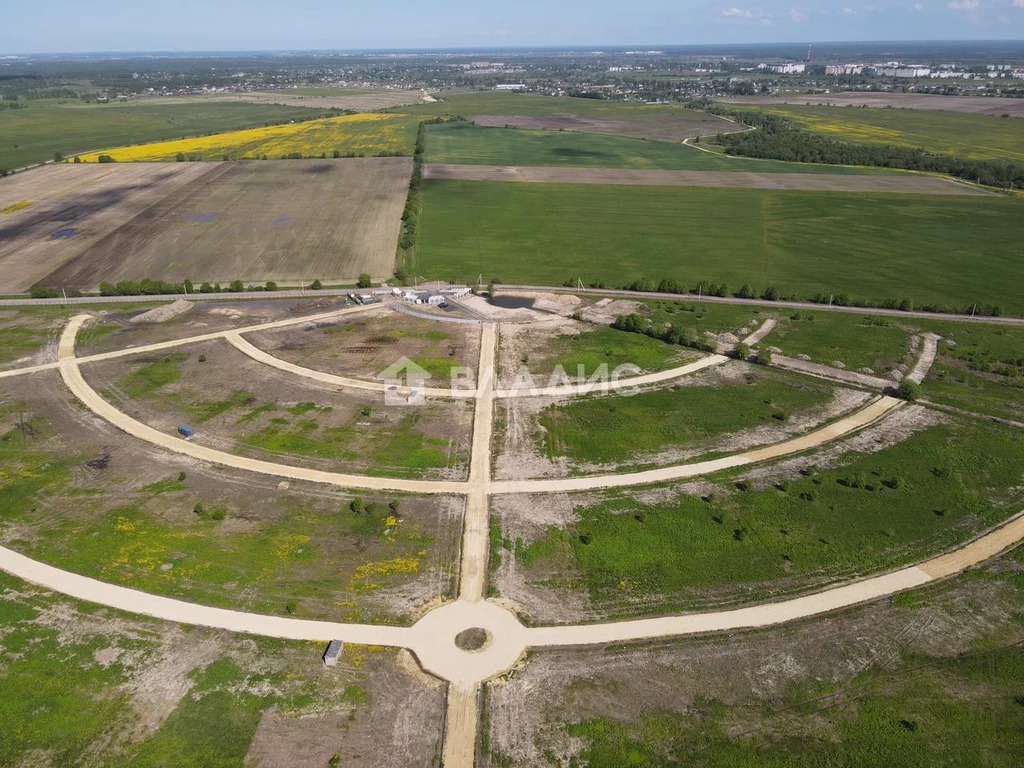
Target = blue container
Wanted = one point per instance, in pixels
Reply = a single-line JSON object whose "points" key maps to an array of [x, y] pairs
{"points": [[186, 431]]}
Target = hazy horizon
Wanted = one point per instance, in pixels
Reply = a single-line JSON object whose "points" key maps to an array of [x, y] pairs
{"points": [[190, 26]]}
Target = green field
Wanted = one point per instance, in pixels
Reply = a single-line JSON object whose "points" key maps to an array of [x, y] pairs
{"points": [[871, 246], [982, 137], [632, 427], [873, 512], [464, 143], [33, 134]]}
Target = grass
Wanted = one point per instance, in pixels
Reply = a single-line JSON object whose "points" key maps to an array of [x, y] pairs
{"points": [[150, 377], [32, 135], [624, 429], [365, 134], [873, 512], [19, 342], [227, 558], [983, 372], [395, 449], [981, 137], [465, 143], [590, 350], [957, 711], [59, 700], [858, 342], [883, 246]]}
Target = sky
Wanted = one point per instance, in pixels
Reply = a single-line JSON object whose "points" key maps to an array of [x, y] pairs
{"points": [[72, 26]]}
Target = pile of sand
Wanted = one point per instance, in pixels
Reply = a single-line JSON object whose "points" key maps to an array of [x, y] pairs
{"points": [[164, 313]]}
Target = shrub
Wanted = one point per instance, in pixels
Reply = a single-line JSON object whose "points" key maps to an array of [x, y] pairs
{"points": [[364, 281], [316, 285], [909, 390]]}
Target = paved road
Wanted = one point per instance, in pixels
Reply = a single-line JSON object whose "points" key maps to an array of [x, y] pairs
{"points": [[292, 294]]}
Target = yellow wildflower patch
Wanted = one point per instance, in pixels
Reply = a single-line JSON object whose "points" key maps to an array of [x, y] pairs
{"points": [[367, 576], [18, 206], [365, 134]]}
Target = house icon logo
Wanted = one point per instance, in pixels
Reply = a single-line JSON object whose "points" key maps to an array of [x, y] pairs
{"points": [[404, 382]]}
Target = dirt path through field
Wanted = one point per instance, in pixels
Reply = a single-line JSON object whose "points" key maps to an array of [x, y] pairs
{"points": [[817, 182]]}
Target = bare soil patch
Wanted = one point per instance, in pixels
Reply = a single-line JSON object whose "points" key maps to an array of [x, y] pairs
{"points": [[976, 105], [74, 206], [292, 220], [660, 128], [355, 102], [363, 347], [529, 711], [903, 184]]}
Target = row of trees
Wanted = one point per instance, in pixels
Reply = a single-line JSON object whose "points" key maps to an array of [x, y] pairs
{"points": [[670, 334], [411, 213], [781, 139], [148, 287], [772, 293]]}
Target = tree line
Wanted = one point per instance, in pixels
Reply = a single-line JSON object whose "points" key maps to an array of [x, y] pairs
{"points": [[781, 139], [773, 293]]}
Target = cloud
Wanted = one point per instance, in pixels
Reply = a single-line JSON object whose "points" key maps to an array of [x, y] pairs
{"points": [[849, 11], [919, 7], [1018, 3], [797, 16], [964, 5], [737, 13]]}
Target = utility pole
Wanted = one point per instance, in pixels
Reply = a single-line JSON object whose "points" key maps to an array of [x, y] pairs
{"points": [[65, 295], [974, 309], [830, 297]]}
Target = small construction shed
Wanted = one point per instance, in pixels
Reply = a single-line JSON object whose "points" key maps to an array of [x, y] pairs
{"points": [[333, 652], [186, 431]]}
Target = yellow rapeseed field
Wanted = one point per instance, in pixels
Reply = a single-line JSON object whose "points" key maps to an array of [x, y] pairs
{"points": [[365, 134]]}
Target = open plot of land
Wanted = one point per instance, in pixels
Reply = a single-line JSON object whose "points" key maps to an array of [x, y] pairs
{"points": [[120, 326], [33, 134], [368, 135], [922, 185], [239, 405], [981, 137], [729, 408], [932, 677], [884, 246], [353, 99], [80, 495], [465, 143], [72, 207], [363, 347], [979, 368], [529, 355], [216, 222], [88, 686], [976, 105], [910, 486], [660, 122]]}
